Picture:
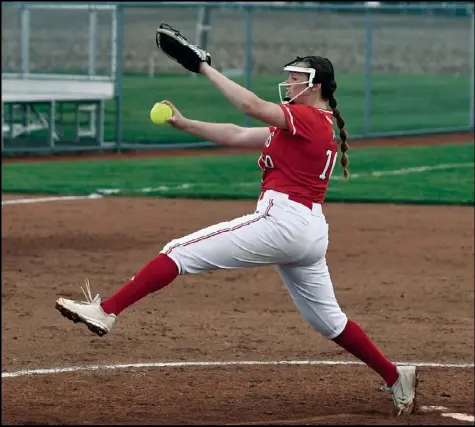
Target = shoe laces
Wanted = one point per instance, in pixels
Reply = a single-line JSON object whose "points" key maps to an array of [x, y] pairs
{"points": [[88, 295]]}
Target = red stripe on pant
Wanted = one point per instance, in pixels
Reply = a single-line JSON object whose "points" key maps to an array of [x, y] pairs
{"points": [[199, 239], [157, 274]]}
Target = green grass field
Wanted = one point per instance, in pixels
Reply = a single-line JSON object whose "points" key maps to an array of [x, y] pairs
{"points": [[399, 103], [423, 174]]}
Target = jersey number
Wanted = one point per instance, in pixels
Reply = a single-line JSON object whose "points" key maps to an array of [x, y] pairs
{"points": [[323, 175], [266, 162]]}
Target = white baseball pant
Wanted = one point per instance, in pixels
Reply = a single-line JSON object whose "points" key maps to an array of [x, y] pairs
{"points": [[280, 232]]}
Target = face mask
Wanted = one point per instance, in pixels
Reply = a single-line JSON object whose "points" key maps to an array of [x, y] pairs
{"points": [[295, 69]]}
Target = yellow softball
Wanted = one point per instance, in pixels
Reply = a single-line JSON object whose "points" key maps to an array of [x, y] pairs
{"points": [[160, 113]]}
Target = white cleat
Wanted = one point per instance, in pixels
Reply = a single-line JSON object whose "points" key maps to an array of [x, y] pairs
{"points": [[403, 390], [88, 312]]}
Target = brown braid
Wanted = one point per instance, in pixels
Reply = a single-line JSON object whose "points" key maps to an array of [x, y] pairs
{"points": [[343, 134]]}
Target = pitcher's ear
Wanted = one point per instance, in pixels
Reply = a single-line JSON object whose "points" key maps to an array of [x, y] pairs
{"points": [[316, 87]]}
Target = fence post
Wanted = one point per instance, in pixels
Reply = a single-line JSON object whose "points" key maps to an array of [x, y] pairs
{"points": [[248, 57], [472, 74], [113, 69], [25, 40], [92, 41], [203, 27], [119, 70], [368, 70]]}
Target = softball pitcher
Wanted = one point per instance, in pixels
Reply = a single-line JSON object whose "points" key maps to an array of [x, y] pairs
{"points": [[288, 229]]}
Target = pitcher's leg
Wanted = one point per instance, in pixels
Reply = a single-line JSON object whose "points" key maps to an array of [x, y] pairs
{"points": [[152, 277], [247, 241], [312, 291], [232, 244]]}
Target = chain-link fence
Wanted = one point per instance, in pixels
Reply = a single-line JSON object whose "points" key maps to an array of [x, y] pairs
{"points": [[58, 39]]}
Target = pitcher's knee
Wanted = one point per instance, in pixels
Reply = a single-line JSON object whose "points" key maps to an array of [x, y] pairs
{"points": [[189, 259], [329, 324], [171, 249], [170, 246]]}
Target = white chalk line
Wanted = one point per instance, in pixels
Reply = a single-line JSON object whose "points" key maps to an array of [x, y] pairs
{"points": [[49, 199], [100, 192], [416, 169], [455, 415], [459, 416], [186, 186], [48, 371]]}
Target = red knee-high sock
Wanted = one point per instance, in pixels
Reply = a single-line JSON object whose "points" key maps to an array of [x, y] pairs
{"points": [[354, 340], [157, 274]]}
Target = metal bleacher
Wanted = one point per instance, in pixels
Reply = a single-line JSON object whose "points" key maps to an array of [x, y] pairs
{"points": [[21, 99], [46, 107]]}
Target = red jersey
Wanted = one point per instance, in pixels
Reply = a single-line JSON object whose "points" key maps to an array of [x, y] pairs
{"points": [[299, 161]]}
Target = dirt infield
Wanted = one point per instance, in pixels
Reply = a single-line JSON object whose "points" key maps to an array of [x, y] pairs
{"points": [[405, 273]]}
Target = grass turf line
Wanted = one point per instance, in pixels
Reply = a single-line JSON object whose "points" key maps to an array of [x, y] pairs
{"points": [[238, 177]]}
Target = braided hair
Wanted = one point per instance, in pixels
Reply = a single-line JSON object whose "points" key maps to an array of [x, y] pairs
{"points": [[325, 75]]}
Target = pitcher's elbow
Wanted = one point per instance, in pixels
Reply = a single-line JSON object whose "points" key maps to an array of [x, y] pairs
{"points": [[247, 108]]}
